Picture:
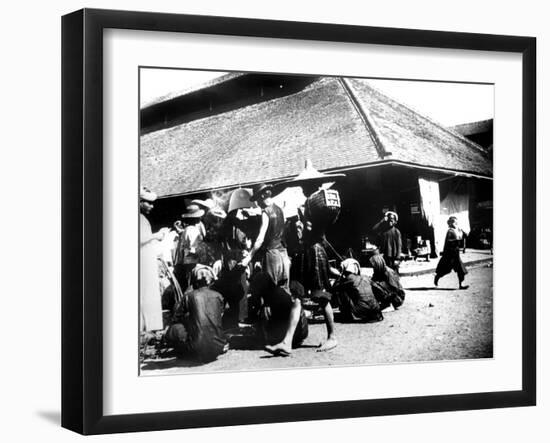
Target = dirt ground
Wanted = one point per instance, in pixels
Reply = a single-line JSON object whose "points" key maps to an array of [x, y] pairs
{"points": [[441, 323]]}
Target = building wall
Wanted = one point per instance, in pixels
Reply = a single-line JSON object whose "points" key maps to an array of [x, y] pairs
{"points": [[367, 193]]}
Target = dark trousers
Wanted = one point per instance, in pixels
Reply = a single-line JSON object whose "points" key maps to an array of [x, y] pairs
{"points": [[392, 263]]}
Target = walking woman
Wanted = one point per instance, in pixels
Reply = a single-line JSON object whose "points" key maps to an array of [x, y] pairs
{"points": [[450, 261]]}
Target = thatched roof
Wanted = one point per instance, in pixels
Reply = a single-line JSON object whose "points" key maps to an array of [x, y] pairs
{"points": [[473, 128], [323, 122], [414, 138], [207, 84]]}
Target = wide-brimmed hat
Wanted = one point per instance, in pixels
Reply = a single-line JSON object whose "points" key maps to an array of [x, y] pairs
{"points": [[147, 195], [203, 204], [310, 176], [259, 189], [193, 211], [241, 198]]}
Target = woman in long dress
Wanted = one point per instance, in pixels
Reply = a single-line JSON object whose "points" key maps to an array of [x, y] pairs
{"points": [[149, 288], [450, 260]]}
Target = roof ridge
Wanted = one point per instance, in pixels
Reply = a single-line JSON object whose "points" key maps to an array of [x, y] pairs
{"points": [[430, 120], [366, 118]]}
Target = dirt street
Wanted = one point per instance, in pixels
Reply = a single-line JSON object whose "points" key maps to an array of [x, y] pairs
{"points": [[441, 323]]}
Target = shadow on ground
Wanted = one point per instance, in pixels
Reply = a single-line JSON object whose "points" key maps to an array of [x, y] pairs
{"points": [[53, 417], [173, 362], [433, 288]]}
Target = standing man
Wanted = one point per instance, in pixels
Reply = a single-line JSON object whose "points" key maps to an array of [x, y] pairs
{"points": [[190, 242], [389, 240], [149, 289], [275, 262], [315, 271], [269, 241]]}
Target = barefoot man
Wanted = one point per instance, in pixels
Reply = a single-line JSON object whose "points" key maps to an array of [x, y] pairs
{"points": [[316, 278], [315, 268], [275, 261]]}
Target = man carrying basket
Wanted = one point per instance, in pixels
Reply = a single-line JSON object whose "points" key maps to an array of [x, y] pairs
{"points": [[321, 209]]}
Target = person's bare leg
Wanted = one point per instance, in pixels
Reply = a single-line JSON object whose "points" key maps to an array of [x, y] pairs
{"points": [[285, 346], [331, 342]]}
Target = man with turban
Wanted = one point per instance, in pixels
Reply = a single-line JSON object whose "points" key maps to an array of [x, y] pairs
{"points": [[197, 330]]}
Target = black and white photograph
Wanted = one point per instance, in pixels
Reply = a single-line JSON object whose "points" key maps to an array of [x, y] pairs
{"points": [[299, 221], [271, 221]]}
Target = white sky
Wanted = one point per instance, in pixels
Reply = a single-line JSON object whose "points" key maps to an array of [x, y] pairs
{"points": [[447, 103]]}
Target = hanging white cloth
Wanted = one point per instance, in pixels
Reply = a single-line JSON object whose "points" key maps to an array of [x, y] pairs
{"points": [[431, 209], [429, 198], [437, 212], [457, 204]]}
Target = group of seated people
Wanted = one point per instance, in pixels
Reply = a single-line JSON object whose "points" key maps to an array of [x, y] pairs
{"points": [[223, 281]]}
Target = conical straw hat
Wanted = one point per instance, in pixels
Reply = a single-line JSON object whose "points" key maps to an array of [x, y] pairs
{"points": [[310, 175]]}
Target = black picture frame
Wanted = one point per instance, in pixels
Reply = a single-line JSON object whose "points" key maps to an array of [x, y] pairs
{"points": [[82, 218]]}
